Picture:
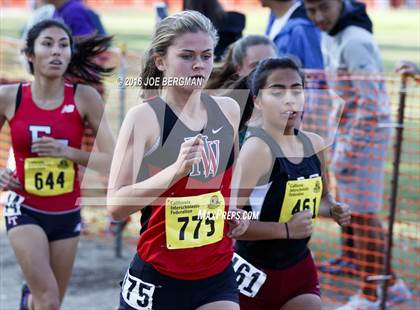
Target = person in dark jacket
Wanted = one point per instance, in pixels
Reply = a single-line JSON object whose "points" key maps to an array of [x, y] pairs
{"points": [[229, 25]]}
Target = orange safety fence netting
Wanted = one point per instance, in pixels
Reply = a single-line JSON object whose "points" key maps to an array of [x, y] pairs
{"points": [[366, 119]]}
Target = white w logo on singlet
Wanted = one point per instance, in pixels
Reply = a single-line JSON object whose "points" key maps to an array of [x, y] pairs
{"points": [[210, 157]]}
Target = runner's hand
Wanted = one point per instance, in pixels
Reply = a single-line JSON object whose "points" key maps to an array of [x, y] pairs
{"points": [[300, 225], [341, 213], [47, 146], [239, 223], [7, 180], [189, 154]]}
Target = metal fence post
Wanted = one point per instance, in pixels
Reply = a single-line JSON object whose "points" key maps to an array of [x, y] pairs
{"points": [[394, 186]]}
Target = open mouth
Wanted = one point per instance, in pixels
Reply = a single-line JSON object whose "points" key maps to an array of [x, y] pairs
{"points": [[56, 62], [198, 77], [291, 114]]}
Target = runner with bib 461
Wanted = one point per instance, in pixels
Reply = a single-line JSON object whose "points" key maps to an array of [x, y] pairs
{"points": [[287, 185]]}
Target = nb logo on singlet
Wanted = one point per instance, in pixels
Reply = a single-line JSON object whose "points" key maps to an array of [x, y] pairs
{"points": [[209, 159], [68, 108]]}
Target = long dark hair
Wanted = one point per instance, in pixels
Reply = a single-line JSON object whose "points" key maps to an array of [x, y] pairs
{"points": [[83, 51], [246, 106]]}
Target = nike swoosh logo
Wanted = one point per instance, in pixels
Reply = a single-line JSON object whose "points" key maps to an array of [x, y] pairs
{"points": [[215, 131]]}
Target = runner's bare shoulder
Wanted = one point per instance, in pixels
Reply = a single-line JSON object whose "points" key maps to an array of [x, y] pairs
{"points": [[317, 141]]}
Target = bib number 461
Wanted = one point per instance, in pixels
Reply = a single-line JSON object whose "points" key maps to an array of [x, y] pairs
{"points": [[305, 204], [248, 278]]}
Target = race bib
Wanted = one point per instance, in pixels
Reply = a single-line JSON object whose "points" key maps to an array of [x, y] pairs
{"points": [[49, 176], [194, 221], [301, 195], [248, 278], [137, 293], [13, 204]]}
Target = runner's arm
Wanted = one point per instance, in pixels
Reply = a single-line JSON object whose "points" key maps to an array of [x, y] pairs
{"points": [[125, 194], [91, 108], [327, 200], [254, 162]]}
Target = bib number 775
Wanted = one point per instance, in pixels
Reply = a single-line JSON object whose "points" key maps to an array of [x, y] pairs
{"points": [[137, 293]]}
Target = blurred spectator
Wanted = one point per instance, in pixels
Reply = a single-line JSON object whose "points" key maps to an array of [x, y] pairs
{"points": [[75, 15], [229, 25], [161, 10], [42, 10], [98, 27], [293, 33], [212, 9], [360, 150]]}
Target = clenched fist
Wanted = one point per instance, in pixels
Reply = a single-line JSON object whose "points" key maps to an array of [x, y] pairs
{"points": [[300, 225], [341, 213], [189, 154], [7, 180]]}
